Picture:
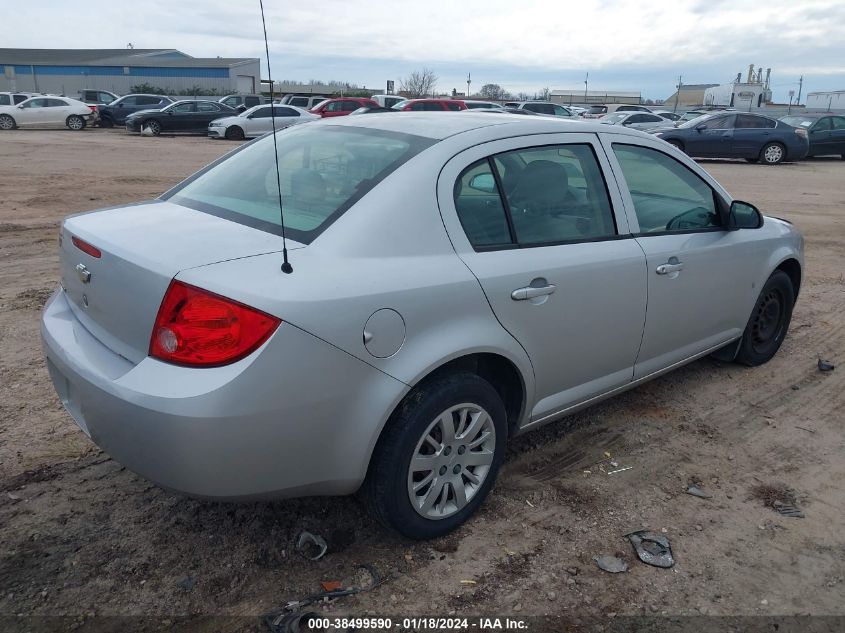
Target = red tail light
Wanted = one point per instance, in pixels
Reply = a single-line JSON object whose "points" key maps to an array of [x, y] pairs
{"points": [[198, 328], [85, 247]]}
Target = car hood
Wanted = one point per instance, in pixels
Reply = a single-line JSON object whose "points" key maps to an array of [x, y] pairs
{"points": [[229, 119], [143, 112]]}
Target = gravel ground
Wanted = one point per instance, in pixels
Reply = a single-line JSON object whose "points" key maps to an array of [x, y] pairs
{"points": [[82, 536]]}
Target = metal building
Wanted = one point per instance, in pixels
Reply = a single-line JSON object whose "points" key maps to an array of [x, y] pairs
{"points": [[568, 97], [833, 100], [67, 71]]}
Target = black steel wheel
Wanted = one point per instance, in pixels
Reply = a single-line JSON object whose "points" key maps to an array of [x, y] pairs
{"points": [[769, 321]]}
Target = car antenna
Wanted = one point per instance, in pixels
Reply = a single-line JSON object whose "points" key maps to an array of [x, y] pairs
{"points": [[286, 267]]}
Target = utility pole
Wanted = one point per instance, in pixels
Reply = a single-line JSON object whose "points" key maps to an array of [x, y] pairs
{"points": [[800, 85], [678, 93], [586, 79], [469, 82]]}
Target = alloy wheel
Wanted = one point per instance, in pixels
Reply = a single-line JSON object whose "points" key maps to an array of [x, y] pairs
{"points": [[451, 461], [7, 122], [773, 154], [75, 123]]}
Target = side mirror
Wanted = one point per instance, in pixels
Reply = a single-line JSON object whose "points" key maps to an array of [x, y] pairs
{"points": [[700, 127], [743, 215], [483, 182], [20, 107], [626, 122], [119, 105]]}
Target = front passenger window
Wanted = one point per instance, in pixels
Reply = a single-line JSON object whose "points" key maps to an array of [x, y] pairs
{"points": [[667, 196]]}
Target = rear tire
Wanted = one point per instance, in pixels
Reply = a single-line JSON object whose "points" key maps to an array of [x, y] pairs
{"points": [[7, 122], [438, 425], [234, 133], [769, 321], [772, 154], [75, 123]]}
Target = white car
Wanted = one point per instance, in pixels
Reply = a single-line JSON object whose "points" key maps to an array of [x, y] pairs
{"points": [[635, 120], [43, 111], [257, 121]]}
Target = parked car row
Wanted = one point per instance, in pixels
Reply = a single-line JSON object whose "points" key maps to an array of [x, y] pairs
{"points": [[44, 111]]}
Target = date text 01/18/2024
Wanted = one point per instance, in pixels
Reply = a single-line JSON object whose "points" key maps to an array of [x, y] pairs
{"points": [[420, 624]]}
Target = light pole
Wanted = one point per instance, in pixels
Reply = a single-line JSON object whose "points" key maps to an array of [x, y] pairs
{"points": [[678, 93], [586, 79]]}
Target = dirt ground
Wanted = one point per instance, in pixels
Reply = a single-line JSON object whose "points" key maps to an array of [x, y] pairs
{"points": [[82, 536]]}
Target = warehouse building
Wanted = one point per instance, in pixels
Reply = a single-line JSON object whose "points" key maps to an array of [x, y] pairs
{"points": [[68, 71], [568, 97], [834, 100], [689, 95]]}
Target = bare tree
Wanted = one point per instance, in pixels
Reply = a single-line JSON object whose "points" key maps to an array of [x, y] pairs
{"points": [[544, 94], [420, 83], [523, 96], [493, 91]]}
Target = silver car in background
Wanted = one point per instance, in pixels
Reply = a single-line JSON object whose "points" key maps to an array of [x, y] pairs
{"points": [[457, 279], [257, 121], [635, 120]]}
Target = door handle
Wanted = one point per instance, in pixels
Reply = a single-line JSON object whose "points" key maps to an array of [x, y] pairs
{"points": [[665, 269], [530, 292]]}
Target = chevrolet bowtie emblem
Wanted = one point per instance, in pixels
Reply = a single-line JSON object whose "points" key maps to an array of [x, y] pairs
{"points": [[83, 273]]}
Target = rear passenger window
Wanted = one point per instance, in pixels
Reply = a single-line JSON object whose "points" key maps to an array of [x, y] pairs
{"points": [[5, 100], [667, 196], [480, 207], [556, 194]]}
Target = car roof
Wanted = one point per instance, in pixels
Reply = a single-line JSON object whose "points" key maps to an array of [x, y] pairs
{"points": [[441, 125]]}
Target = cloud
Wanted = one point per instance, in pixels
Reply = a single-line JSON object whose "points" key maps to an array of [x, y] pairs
{"points": [[549, 38]]}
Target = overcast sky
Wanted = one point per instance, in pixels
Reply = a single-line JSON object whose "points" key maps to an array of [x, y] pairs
{"points": [[523, 46]]}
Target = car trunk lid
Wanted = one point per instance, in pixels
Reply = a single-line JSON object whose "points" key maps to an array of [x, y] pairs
{"points": [[116, 296]]}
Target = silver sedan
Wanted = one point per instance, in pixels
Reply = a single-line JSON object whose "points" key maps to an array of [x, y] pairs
{"points": [[456, 280], [258, 121]]}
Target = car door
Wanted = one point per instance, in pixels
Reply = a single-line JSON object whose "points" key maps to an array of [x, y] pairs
{"points": [[701, 277], [206, 113], [711, 137], [543, 232], [56, 112], [820, 136], [32, 112], [333, 109], [181, 117], [123, 108], [751, 132], [258, 122], [837, 134]]}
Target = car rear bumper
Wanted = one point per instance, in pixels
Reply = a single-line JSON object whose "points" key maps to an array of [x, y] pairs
{"points": [[297, 417]]}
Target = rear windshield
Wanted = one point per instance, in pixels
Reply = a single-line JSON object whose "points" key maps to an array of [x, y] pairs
{"points": [[597, 110], [324, 170]]}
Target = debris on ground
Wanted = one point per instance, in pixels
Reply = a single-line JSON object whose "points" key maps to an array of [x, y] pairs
{"points": [[788, 510], [804, 428], [826, 365], [612, 564], [187, 583], [619, 470], [695, 491], [280, 618], [652, 549], [331, 585], [311, 546], [775, 494]]}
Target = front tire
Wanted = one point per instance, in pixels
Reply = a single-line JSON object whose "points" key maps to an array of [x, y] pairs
{"points": [[155, 126], [769, 321], [438, 456], [772, 154], [106, 121], [234, 133], [7, 122], [75, 123]]}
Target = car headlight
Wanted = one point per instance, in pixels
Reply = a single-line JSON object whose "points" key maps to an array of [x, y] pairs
{"points": [[215, 124]]}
